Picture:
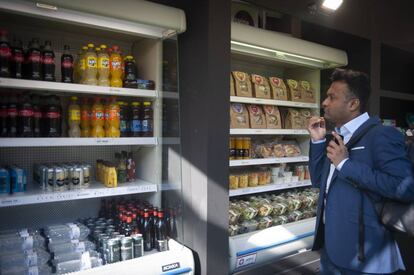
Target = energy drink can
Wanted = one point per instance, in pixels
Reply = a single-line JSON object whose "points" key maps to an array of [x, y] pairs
{"points": [[113, 250], [127, 248], [138, 245], [4, 180]]}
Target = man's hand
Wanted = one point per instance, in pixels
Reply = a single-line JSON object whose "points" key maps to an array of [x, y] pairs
{"points": [[336, 153], [317, 128]]}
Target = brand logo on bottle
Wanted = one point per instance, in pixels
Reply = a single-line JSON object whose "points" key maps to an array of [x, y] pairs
{"points": [[26, 113], [241, 76], [34, 57], [67, 64], [91, 62], [18, 58], [116, 64], [53, 115], [293, 83], [47, 60], [103, 63], [169, 267], [12, 112], [5, 51]]}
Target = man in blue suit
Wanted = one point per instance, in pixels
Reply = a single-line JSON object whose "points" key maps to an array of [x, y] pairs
{"points": [[348, 231]]}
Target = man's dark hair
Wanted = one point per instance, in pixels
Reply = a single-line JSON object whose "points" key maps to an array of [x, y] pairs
{"points": [[358, 84]]}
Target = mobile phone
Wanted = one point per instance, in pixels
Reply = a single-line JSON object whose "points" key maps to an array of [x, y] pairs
{"points": [[330, 137]]}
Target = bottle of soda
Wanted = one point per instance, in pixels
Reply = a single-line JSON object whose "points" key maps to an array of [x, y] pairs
{"points": [[154, 223], [66, 67], [161, 229], [12, 114], [135, 124], [37, 116], [146, 233], [53, 117], [3, 115], [130, 78], [147, 120], [123, 119], [34, 61], [5, 54], [173, 224], [17, 59], [48, 62], [25, 119], [130, 168]]}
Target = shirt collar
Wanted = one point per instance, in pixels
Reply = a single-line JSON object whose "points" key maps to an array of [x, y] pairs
{"points": [[351, 126]]}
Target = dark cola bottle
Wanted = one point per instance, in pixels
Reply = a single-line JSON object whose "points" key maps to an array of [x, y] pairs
{"points": [[161, 228], [17, 59], [154, 222], [146, 233], [34, 61], [37, 116], [48, 62], [5, 54], [25, 119], [3, 115], [66, 66], [12, 113], [53, 117]]}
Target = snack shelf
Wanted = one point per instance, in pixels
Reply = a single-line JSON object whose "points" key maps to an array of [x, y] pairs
{"points": [[70, 88], [96, 190], [247, 162], [68, 141], [268, 132], [262, 101], [270, 243], [268, 188]]}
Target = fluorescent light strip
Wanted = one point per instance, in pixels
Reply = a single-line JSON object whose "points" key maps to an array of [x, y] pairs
{"points": [[279, 55], [332, 4]]}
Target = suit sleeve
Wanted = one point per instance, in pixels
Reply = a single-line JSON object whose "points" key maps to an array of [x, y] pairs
{"points": [[317, 156], [391, 176]]}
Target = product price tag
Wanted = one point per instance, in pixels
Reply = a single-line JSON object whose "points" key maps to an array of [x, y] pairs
{"points": [[246, 260]]}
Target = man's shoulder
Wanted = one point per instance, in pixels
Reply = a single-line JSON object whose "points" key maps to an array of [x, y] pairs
{"points": [[387, 132]]}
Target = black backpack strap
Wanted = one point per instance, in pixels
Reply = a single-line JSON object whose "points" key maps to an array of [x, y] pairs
{"points": [[361, 229]]}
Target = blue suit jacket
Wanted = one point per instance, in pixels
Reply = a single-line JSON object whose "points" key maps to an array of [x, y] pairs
{"points": [[377, 163]]}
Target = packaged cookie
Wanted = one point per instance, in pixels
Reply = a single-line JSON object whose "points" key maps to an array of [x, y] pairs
{"points": [[232, 92], [261, 87], [294, 93], [279, 91], [293, 119], [242, 84], [257, 117], [273, 119], [307, 92], [239, 116]]}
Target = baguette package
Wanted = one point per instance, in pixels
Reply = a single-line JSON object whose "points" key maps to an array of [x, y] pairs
{"points": [[242, 84], [239, 117], [293, 119], [279, 90], [307, 92], [294, 93], [257, 117], [261, 86], [273, 119]]}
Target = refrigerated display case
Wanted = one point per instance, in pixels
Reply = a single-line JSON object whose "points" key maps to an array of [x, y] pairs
{"points": [[271, 54], [146, 31]]}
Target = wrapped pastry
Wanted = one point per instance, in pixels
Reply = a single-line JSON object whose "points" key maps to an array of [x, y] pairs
{"points": [[291, 150], [278, 151], [233, 182], [253, 179], [243, 180]]}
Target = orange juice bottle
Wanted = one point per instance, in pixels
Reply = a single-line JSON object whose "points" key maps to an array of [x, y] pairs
{"points": [[106, 113], [97, 119], [85, 122], [103, 67], [115, 61], [112, 129], [91, 66]]}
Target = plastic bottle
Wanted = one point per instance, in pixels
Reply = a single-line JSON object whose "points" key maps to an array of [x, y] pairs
{"points": [[112, 129], [66, 67], [115, 67], [17, 59], [37, 116], [68, 247], [5, 54], [161, 229], [91, 68], [103, 67], [123, 119], [80, 65], [147, 120], [97, 119], [74, 117], [131, 168], [34, 64], [136, 123], [77, 265], [121, 168], [27, 259], [146, 232], [130, 78], [12, 114], [53, 118], [65, 257], [25, 118], [85, 118], [48, 62], [66, 232], [39, 270], [3, 116]]}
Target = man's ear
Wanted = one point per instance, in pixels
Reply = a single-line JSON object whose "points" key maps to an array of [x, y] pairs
{"points": [[354, 104]]}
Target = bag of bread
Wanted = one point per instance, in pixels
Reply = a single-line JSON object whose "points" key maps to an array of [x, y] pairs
{"points": [[294, 93], [242, 85], [291, 150], [293, 119], [279, 91], [273, 119], [307, 92], [239, 117], [278, 150], [257, 117], [232, 93], [261, 86], [306, 115]]}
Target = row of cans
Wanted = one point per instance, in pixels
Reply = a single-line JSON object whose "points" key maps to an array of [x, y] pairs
{"points": [[12, 179], [62, 176]]}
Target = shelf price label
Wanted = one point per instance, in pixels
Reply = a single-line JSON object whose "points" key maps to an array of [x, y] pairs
{"points": [[246, 260]]}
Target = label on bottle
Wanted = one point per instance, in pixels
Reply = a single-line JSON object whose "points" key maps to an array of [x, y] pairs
{"points": [[74, 115], [85, 115], [98, 115], [34, 57], [91, 62], [136, 126], [146, 126], [48, 60], [26, 113], [53, 115], [5, 51], [103, 63], [12, 112], [113, 114], [18, 57], [123, 126], [116, 63], [67, 63], [82, 64], [37, 114]]}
